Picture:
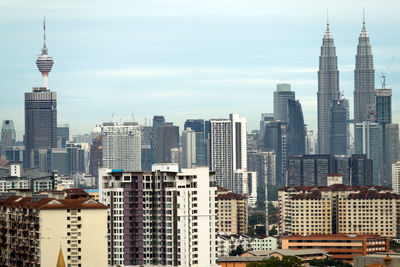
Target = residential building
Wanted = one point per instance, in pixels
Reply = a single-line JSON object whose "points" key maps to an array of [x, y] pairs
{"points": [[7, 136], [228, 150], [305, 255], [281, 97], [328, 89], [396, 177], [339, 135], [267, 243], [229, 242], [121, 146], [364, 78], [163, 217], [377, 260], [339, 246], [232, 213], [76, 227], [338, 209]]}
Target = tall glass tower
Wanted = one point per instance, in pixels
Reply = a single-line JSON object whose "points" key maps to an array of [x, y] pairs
{"points": [[328, 89], [364, 78]]}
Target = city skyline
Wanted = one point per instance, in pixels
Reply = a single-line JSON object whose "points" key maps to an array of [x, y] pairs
{"points": [[163, 62]]}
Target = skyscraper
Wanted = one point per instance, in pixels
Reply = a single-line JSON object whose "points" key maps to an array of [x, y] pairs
{"points": [[296, 136], [167, 139], [122, 146], [281, 97], [328, 88], [7, 136], [339, 128], [40, 113], [368, 140], [364, 78]]}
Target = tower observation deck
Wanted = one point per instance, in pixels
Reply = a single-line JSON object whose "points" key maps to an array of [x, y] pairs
{"points": [[44, 62]]}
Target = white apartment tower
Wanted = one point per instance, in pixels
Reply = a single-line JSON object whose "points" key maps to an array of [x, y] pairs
{"points": [[396, 177], [160, 218], [121, 146], [188, 148], [228, 146]]}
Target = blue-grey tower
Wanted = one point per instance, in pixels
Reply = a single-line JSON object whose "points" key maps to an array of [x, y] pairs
{"points": [[364, 78], [328, 88]]}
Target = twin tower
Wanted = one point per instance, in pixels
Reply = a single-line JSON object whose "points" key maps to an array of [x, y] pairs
{"points": [[328, 88]]}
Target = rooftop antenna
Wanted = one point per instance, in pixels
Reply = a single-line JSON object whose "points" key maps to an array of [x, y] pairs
{"points": [[363, 16]]}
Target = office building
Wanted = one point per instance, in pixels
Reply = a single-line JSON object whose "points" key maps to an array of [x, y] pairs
{"points": [[62, 135], [265, 117], [77, 157], [76, 229], [309, 170], [383, 106], [364, 78], [339, 134], [167, 136], [7, 136], [368, 141], [264, 164], [391, 150], [338, 209], [40, 113], [275, 141], [232, 213], [194, 149], [252, 186], [311, 143], [281, 97], [296, 136], [339, 246], [163, 217], [121, 146], [228, 150], [96, 156], [328, 89]]}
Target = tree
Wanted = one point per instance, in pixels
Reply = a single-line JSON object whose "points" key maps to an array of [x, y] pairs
{"points": [[317, 262], [237, 252], [291, 261], [257, 218], [273, 231]]}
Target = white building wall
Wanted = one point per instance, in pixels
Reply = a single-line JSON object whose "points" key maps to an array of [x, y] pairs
{"points": [[396, 177]]}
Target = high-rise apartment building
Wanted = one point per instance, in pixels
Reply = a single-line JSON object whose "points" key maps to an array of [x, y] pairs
{"points": [[96, 157], [7, 136], [281, 97], [338, 209], [34, 229], [328, 89], [339, 135], [396, 177], [121, 146], [232, 213], [228, 150], [296, 135], [368, 140], [163, 217], [364, 78], [40, 113]]}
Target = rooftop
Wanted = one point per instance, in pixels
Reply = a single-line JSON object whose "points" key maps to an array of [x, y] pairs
{"points": [[334, 237]]}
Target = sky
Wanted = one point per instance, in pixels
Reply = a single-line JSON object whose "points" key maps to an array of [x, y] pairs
{"points": [[186, 59]]}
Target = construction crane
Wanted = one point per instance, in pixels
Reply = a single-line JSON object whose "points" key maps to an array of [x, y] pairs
{"points": [[383, 74]]}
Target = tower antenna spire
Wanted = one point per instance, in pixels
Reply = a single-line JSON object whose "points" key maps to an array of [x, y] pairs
{"points": [[363, 16], [327, 17], [44, 32]]}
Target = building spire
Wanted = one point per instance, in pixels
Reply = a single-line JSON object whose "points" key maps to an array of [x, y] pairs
{"points": [[44, 50], [327, 18]]}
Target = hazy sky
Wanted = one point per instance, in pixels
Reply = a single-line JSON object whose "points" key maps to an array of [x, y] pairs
{"points": [[185, 59]]}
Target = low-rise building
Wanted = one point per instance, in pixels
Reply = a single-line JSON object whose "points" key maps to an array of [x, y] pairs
{"points": [[377, 260], [267, 243], [340, 246], [227, 243]]}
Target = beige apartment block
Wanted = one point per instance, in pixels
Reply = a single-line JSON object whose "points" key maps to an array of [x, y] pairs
{"points": [[339, 209], [232, 212], [33, 230]]}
